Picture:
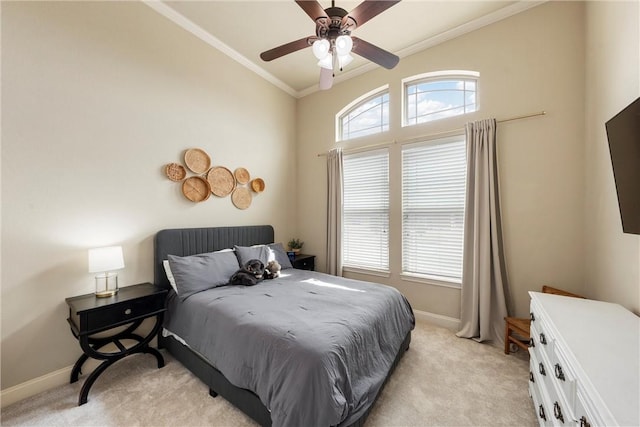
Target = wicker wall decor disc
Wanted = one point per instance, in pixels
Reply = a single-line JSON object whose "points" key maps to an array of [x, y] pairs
{"points": [[257, 185], [175, 171], [197, 160], [196, 189], [241, 198], [221, 181], [242, 175]]}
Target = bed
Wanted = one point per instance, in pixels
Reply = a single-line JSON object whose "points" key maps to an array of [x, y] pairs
{"points": [[303, 349]]}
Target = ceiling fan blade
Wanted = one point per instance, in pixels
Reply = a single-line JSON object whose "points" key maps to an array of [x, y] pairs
{"points": [[286, 49], [367, 10], [326, 79], [313, 9], [374, 54]]}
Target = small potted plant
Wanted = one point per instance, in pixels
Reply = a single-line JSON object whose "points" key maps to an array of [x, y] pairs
{"points": [[295, 245]]}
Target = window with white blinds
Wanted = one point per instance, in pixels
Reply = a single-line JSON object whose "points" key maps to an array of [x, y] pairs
{"points": [[433, 193], [365, 243]]}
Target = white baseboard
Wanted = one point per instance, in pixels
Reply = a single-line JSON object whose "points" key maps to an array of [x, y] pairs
{"points": [[37, 385], [439, 320]]}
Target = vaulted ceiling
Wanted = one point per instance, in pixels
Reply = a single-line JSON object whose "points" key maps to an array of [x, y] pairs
{"points": [[244, 29]]}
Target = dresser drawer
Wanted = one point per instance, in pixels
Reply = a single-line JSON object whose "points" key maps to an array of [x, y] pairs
{"points": [[117, 314], [537, 393], [564, 378]]}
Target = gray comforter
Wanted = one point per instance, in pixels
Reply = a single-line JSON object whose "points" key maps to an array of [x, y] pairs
{"points": [[315, 348]]}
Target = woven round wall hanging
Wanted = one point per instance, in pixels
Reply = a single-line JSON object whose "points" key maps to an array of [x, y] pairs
{"points": [[197, 160], [221, 180], [175, 172], [257, 185], [196, 189], [241, 198], [242, 175]]}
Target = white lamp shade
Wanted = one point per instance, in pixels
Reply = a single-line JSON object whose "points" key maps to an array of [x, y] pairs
{"points": [[327, 62], [344, 60], [344, 44], [321, 48], [105, 259]]}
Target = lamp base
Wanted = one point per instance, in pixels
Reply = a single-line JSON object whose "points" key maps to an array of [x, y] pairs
{"points": [[106, 285]]}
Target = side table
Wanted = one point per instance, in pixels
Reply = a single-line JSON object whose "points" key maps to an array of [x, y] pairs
{"points": [[304, 262], [89, 315]]}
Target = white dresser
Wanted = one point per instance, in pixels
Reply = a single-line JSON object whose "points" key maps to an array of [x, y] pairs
{"points": [[585, 362]]}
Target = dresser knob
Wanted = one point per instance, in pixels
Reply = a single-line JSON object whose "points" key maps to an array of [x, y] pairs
{"points": [[541, 412], [557, 412], [558, 372], [584, 422], [531, 378], [541, 369], [532, 343], [543, 339], [127, 311], [533, 318]]}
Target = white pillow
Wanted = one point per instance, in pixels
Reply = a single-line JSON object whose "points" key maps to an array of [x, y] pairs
{"points": [[167, 270]]}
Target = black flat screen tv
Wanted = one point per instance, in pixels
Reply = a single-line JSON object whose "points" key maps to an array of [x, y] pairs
{"points": [[623, 133]]}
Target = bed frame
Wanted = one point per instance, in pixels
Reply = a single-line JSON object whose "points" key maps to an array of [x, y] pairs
{"points": [[191, 241]]}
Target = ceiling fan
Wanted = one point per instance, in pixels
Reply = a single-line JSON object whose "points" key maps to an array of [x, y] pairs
{"points": [[333, 42]]}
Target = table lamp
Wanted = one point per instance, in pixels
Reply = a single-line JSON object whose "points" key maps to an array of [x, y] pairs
{"points": [[104, 261]]}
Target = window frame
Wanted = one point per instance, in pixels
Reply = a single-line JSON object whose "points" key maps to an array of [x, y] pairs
{"points": [[463, 75], [380, 91]]}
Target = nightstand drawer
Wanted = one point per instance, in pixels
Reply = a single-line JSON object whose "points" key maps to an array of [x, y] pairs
{"points": [[122, 313]]}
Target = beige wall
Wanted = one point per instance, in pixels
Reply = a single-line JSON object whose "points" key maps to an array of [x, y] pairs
{"points": [[96, 98], [613, 82], [530, 62]]}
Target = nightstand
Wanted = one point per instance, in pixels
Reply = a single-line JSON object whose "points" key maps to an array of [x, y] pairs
{"points": [[304, 262], [89, 315]]}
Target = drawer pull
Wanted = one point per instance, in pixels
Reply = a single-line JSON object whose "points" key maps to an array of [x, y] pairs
{"points": [[541, 412], [127, 311], [532, 343], [543, 339], [584, 422], [533, 318], [531, 378], [557, 412], [541, 369], [558, 372]]}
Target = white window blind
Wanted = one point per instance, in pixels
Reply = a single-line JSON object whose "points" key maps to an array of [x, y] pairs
{"points": [[366, 211], [433, 193]]}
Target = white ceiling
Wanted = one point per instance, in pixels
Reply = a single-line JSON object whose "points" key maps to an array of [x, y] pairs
{"points": [[244, 29]]}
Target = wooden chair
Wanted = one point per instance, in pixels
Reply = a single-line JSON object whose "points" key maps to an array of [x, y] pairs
{"points": [[521, 326]]}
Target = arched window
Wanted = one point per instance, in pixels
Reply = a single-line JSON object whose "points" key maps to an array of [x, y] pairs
{"points": [[435, 96], [367, 115]]}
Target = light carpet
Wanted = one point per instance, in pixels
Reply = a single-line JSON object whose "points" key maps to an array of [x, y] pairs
{"points": [[441, 381]]}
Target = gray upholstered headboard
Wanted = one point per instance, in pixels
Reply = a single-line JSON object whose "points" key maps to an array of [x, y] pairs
{"points": [[191, 241]]}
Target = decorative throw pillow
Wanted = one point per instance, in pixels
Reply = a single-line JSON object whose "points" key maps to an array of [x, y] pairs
{"points": [[247, 253], [280, 255], [197, 273]]}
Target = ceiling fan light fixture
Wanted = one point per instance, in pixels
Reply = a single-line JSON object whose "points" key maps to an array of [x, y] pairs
{"points": [[321, 48], [344, 60], [326, 62], [344, 44]]}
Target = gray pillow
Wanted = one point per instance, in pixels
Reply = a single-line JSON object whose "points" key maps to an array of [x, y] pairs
{"points": [[246, 253], [197, 273], [280, 255]]}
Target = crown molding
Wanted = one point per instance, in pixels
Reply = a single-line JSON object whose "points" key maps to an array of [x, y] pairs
{"points": [[188, 25]]}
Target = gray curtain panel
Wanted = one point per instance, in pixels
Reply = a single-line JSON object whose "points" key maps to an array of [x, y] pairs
{"points": [[484, 278], [334, 212]]}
